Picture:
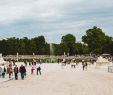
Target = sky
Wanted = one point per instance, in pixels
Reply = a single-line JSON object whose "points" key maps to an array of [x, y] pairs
{"points": [[54, 18]]}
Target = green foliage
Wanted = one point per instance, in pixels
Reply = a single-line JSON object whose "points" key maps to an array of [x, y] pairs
{"points": [[68, 39], [95, 41], [40, 45], [69, 42], [63, 48]]}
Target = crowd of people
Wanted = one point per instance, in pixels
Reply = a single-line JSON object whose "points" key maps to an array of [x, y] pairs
{"points": [[74, 64], [12, 70]]}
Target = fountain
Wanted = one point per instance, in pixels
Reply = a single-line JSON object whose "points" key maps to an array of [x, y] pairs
{"points": [[51, 49], [51, 53], [104, 63], [101, 60]]}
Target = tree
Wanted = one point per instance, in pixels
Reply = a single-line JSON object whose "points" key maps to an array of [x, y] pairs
{"points": [[3, 47], [95, 38], [95, 41], [21, 47], [69, 40], [40, 44], [81, 48], [108, 46], [63, 48]]}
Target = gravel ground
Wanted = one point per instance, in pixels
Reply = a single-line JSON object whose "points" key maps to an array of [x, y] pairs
{"points": [[56, 80]]}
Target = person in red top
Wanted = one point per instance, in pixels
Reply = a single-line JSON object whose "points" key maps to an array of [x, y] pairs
{"points": [[32, 69]]}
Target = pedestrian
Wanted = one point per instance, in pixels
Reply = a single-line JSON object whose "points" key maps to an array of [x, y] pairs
{"points": [[0, 71], [29, 63], [14, 63], [22, 71], [83, 65], [58, 60], [25, 62], [9, 70], [32, 69], [63, 63], [32, 63], [13, 70], [35, 63], [16, 72], [38, 66], [3, 71], [86, 65]]}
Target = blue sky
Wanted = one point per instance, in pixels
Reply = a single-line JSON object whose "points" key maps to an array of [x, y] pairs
{"points": [[54, 18]]}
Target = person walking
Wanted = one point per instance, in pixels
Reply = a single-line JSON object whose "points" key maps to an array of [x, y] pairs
{"points": [[32, 69], [22, 71], [3, 71], [86, 65], [16, 72], [58, 61], [83, 65], [9, 70], [0, 71], [38, 66], [25, 62]]}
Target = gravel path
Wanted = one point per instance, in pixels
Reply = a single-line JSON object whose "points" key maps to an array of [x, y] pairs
{"points": [[61, 81]]}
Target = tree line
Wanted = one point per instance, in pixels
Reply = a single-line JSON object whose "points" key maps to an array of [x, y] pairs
{"points": [[95, 41]]}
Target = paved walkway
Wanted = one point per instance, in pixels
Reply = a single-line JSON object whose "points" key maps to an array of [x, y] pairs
{"points": [[62, 81]]}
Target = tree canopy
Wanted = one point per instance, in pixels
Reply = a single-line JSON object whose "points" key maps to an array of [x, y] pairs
{"points": [[94, 41]]}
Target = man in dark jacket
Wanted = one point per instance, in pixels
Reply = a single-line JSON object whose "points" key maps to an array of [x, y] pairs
{"points": [[22, 71], [83, 65], [16, 72]]}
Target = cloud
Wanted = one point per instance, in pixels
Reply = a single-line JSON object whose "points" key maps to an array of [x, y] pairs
{"points": [[54, 18]]}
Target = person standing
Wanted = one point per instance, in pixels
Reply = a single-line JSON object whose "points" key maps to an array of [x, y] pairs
{"points": [[16, 72], [22, 71], [38, 66]]}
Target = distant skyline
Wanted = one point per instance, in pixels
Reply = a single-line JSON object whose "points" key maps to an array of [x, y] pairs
{"points": [[54, 18]]}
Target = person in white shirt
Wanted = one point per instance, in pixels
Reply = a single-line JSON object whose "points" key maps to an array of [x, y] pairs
{"points": [[3, 71], [38, 67]]}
